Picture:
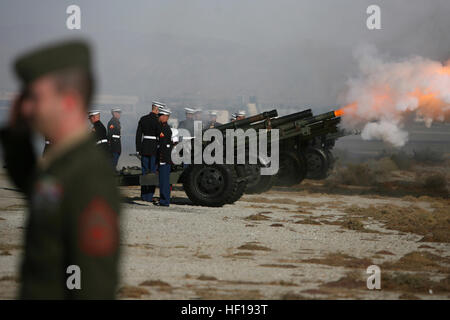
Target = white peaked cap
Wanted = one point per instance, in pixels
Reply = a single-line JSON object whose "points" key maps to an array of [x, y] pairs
{"points": [[93, 113], [158, 104], [165, 111]]}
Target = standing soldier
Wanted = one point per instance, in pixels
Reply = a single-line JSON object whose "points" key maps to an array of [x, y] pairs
{"points": [[99, 130], [188, 124], [147, 135], [164, 157], [72, 230], [114, 129], [213, 120], [240, 115]]}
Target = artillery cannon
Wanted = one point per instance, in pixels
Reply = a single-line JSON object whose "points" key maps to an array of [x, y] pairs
{"points": [[216, 184]]}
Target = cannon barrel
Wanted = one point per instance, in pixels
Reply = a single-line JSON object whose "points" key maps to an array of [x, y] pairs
{"points": [[273, 123], [248, 121], [310, 127]]}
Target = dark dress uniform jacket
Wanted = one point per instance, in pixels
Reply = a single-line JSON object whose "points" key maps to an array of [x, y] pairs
{"points": [[187, 124], [114, 129], [147, 134], [100, 135], [165, 144], [214, 124], [73, 218]]}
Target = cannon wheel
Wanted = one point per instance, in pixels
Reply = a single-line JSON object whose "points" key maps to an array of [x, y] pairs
{"points": [[256, 182], [238, 192], [209, 185], [241, 185], [292, 170], [331, 160], [317, 162]]}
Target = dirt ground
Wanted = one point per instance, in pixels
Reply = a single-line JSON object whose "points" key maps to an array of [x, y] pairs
{"points": [[306, 242]]}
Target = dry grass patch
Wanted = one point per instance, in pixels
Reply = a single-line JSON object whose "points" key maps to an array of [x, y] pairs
{"points": [[232, 294], [253, 246], [132, 292], [10, 278], [9, 246], [351, 280], [257, 217], [292, 296], [277, 201], [385, 252], [341, 260], [274, 265], [419, 261], [433, 225], [414, 283], [308, 220], [155, 283]]}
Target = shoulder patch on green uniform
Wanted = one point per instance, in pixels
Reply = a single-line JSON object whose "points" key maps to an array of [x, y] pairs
{"points": [[98, 229]]}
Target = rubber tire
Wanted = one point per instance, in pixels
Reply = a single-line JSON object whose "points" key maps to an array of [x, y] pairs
{"points": [[331, 160], [295, 174], [318, 167], [192, 185], [242, 173], [259, 183], [238, 192]]}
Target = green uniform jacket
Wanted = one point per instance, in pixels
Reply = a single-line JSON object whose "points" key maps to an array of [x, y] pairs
{"points": [[73, 220]]}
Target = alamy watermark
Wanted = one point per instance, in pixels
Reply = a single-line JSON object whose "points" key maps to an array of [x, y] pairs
{"points": [[74, 279], [231, 146], [374, 280]]}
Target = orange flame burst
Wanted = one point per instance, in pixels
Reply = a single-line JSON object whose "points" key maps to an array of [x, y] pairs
{"points": [[427, 97]]}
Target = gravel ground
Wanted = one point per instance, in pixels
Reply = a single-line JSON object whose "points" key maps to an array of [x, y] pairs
{"points": [[254, 249]]}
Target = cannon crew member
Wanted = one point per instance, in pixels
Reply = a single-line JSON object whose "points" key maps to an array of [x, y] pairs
{"points": [[188, 124], [147, 135], [240, 115], [164, 158], [99, 130], [114, 130], [73, 200], [213, 120]]}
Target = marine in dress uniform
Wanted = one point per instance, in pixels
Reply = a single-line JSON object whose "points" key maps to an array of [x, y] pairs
{"points": [[99, 130], [213, 120], [188, 124], [164, 158], [73, 200], [241, 115], [113, 135], [147, 135]]}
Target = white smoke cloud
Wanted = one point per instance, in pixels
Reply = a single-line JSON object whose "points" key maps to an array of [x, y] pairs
{"points": [[385, 92]]}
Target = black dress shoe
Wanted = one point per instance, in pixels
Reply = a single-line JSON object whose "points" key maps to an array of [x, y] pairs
{"points": [[160, 205]]}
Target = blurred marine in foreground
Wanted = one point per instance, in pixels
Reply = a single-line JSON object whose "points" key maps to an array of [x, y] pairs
{"points": [[72, 230]]}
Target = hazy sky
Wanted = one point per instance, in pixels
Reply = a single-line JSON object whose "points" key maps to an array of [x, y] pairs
{"points": [[293, 52]]}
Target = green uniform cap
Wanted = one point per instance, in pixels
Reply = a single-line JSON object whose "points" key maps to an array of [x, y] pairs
{"points": [[68, 54]]}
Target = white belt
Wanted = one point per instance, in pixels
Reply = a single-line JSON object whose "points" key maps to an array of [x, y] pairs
{"points": [[116, 136], [162, 163], [150, 137], [102, 141]]}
